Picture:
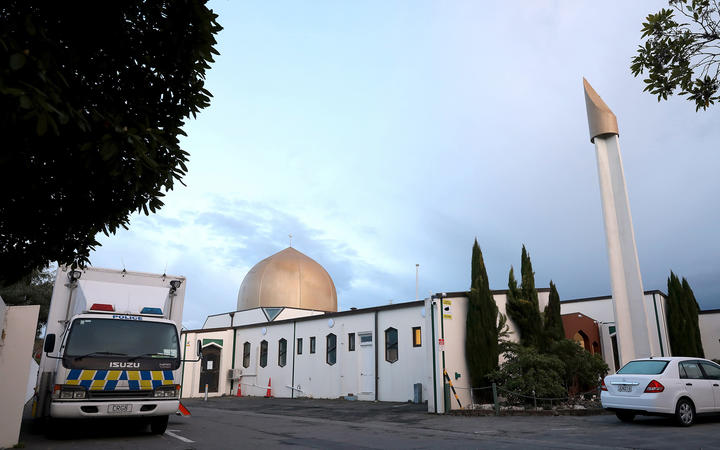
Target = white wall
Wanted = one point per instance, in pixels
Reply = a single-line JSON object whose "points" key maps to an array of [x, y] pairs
{"points": [[353, 372], [710, 333], [191, 372], [396, 380], [17, 335]]}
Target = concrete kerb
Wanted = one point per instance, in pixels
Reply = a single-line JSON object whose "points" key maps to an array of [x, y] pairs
{"points": [[529, 412]]}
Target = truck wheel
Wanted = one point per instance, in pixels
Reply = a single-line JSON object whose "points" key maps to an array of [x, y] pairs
{"points": [[158, 424]]}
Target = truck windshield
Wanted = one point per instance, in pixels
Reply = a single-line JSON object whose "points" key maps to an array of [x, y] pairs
{"points": [[126, 338]]}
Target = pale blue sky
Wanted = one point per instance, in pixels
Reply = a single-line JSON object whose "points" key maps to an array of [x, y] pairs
{"points": [[384, 134]]}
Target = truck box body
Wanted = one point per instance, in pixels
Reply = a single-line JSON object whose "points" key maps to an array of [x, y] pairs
{"points": [[116, 350]]}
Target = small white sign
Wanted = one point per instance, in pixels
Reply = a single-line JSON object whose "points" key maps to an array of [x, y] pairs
{"points": [[209, 365]]}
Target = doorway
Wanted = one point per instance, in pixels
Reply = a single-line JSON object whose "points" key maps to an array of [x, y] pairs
{"points": [[367, 367], [210, 368]]}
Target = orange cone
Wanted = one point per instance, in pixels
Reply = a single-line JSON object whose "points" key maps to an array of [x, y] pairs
{"points": [[268, 394], [239, 391], [183, 410]]}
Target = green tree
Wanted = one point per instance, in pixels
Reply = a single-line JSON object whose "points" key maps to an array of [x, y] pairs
{"points": [[682, 52], [522, 304], [482, 328], [682, 318], [526, 371], [33, 289], [91, 112], [693, 311], [553, 326], [581, 369]]}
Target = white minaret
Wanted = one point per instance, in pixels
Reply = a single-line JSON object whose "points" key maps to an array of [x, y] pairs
{"points": [[631, 318]]}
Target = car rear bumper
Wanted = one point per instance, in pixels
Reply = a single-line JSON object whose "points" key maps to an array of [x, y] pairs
{"points": [[102, 409], [655, 403]]}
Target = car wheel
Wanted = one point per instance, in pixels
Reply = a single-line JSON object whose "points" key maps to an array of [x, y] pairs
{"points": [[625, 416], [684, 412], [158, 424]]}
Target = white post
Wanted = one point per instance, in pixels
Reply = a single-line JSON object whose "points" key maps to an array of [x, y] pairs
{"points": [[206, 391], [417, 279], [631, 319]]}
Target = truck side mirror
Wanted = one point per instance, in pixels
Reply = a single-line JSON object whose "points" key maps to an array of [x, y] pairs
{"points": [[49, 343], [199, 348]]}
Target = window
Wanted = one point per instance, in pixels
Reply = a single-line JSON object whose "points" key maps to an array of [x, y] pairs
{"points": [[690, 370], [282, 352], [365, 338], [351, 342], [417, 337], [644, 367], [391, 345], [246, 355], [263, 353], [299, 346], [712, 371], [331, 354], [312, 344]]}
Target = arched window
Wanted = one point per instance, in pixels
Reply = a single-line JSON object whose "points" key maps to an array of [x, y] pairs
{"points": [[246, 355], [391, 345], [263, 353], [282, 352], [331, 356]]}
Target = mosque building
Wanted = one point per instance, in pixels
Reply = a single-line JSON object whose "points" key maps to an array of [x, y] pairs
{"points": [[287, 339]]}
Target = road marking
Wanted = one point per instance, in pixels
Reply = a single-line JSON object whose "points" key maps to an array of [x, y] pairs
{"points": [[563, 429], [170, 433]]}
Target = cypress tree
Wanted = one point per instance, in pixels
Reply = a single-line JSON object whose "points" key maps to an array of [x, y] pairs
{"points": [[554, 330], [522, 304], [481, 342], [693, 309], [675, 316]]}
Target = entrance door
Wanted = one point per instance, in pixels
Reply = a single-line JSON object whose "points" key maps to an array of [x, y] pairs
{"points": [[210, 368], [367, 367]]}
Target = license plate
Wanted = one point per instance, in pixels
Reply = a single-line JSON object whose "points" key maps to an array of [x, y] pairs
{"points": [[624, 388], [119, 409]]}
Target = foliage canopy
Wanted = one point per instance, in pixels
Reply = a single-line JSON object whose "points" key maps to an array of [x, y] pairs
{"points": [[33, 289], [91, 111], [682, 52]]}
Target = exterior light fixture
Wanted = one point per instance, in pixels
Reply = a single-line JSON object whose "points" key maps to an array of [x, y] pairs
{"points": [[74, 275], [174, 285]]}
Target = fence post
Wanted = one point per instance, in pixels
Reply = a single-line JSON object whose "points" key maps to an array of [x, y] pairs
{"points": [[534, 399], [495, 399]]}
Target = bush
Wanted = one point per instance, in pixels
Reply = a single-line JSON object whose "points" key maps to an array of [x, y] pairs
{"points": [[565, 368], [526, 370]]}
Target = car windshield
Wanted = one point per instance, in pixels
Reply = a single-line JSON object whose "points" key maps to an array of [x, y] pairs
{"points": [[643, 367], [132, 338]]}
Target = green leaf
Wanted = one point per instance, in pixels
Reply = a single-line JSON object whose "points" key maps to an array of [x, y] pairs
{"points": [[17, 61]]}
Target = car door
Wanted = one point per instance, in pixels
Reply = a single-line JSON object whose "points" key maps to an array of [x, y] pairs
{"points": [[699, 388], [712, 373]]}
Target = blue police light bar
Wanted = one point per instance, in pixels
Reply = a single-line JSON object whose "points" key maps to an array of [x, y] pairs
{"points": [[150, 310]]}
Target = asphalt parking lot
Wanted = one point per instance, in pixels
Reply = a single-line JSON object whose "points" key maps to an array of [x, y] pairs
{"points": [[306, 423]]}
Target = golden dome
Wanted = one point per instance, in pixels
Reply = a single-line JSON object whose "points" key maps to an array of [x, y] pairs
{"points": [[288, 278]]}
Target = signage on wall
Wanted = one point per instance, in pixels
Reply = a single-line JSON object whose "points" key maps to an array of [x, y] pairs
{"points": [[441, 344], [447, 314]]}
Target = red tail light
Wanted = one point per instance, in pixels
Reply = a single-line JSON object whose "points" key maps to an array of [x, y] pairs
{"points": [[102, 307], [602, 386], [654, 386]]}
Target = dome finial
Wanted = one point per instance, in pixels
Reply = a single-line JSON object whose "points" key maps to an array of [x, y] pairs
{"points": [[290, 236]]}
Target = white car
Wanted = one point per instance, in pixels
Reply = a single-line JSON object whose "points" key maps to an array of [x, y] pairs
{"points": [[676, 386]]}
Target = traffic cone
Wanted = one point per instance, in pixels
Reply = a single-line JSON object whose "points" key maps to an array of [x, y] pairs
{"points": [[268, 394], [239, 391], [183, 410]]}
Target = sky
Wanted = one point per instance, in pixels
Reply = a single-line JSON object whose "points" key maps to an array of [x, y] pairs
{"points": [[385, 134]]}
